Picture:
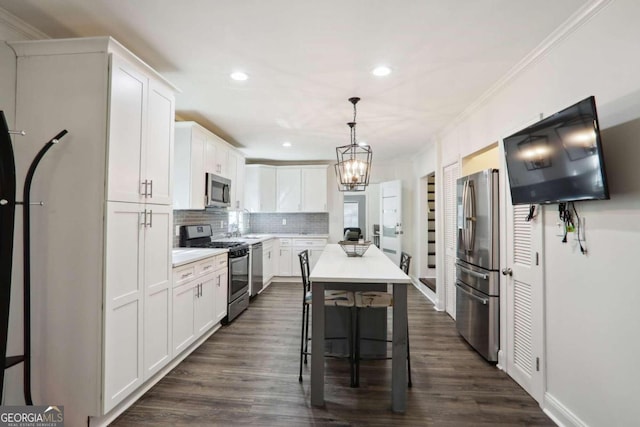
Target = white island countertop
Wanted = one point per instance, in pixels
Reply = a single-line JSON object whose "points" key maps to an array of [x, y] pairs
{"points": [[182, 256], [373, 267]]}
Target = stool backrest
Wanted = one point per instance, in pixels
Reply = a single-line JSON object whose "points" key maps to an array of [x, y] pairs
{"points": [[304, 268], [405, 260]]}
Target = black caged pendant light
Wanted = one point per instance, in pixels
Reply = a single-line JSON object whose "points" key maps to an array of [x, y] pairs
{"points": [[354, 160]]}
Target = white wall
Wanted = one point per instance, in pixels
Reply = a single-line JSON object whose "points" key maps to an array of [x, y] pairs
{"points": [[12, 29], [591, 301]]}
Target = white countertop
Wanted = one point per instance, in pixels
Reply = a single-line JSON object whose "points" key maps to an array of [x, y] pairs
{"points": [[182, 256], [373, 267]]}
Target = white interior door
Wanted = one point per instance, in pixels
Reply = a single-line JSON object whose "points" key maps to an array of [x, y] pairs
{"points": [[391, 219], [450, 175], [524, 299]]}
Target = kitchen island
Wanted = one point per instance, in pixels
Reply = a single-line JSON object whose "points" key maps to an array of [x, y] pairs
{"points": [[334, 269]]}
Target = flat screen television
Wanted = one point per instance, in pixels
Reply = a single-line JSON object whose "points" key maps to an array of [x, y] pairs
{"points": [[558, 159]]}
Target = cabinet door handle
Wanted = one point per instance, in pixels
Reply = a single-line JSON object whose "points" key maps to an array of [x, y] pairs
{"points": [[151, 188], [144, 221], [144, 183], [150, 218], [206, 267], [218, 281], [185, 275]]}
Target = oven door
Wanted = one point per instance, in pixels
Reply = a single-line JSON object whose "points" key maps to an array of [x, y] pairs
{"points": [[238, 277]]}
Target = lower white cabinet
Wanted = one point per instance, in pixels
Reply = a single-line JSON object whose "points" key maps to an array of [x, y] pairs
{"points": [[315, 248], [221, 288], [199, 299], [288, 260], [268, 261], [137, 308], [284, 258]]}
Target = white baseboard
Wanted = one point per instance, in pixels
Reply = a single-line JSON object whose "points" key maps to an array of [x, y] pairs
{"points": [[108, 418], [428, 293], [559, 413], [502, 362]]}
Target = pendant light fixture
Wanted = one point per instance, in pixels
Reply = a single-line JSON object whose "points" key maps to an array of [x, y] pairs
{"points": [[354, 160]]}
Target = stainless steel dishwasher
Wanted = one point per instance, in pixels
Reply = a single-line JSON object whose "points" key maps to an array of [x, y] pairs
{"points": [[257, 277]]}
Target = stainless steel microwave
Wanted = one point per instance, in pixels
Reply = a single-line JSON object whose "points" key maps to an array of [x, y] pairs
{"points": [[218, 191]]}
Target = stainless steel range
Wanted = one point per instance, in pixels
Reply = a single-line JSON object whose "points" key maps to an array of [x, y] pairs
{"points": [[200, 236]]}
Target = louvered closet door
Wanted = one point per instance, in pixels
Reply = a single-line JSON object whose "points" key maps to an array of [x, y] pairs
{"points": [[450, 175], [524, 299]]}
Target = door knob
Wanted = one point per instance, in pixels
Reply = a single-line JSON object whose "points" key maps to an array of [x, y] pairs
{"points": [[507, 272]]}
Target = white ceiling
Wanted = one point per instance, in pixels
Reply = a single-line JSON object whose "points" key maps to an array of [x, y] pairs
{"points": [[305, 58]]}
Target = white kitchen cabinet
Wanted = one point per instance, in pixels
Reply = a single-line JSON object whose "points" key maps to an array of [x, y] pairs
{"points": [[198, 152], [236, 174], [221, 290], [140, 131], [313, 245], [205, 302], [260, 188], [190, 170], [183, 325], [314, 189], [222, 157], [302, 189], [268, 260], [157, 288], [137, 308], [216, 155], [96, 245], [284, 258], [288, 189], [199, 299]]}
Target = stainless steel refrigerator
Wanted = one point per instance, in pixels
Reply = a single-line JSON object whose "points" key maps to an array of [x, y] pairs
{"points": [[478, 261]]}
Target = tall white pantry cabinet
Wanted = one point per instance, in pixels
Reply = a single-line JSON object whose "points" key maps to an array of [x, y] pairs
{"points": [[101, 245]]}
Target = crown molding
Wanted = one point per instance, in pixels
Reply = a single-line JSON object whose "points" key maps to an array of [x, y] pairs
{"points": [[575, 21], [21, 27]]}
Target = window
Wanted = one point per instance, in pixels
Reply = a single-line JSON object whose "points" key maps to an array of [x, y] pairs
{"points": [[351, 214]]}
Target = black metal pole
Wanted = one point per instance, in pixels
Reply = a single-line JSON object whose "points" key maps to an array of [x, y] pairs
{"points": [[7, 223], [27, 264]]}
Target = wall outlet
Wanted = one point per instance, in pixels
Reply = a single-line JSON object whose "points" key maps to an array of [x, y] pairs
{"points": [[284, 221], [177, 230], [560, 229]]}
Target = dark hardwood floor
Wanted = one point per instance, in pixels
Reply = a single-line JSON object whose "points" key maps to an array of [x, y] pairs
{"points": [[247, 374]]}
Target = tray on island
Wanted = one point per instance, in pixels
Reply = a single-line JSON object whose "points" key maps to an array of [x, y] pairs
{"points": [[353, 248]]}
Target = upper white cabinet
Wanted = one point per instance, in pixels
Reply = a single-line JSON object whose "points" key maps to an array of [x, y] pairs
{"points": [[140, 135], [189, 164], [235, 168], [314, 189], [260, 188], [100, 268], [286, 188], [216, 155], [198, 152], [288, 193]]}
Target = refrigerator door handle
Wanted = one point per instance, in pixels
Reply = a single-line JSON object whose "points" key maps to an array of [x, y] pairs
{"points": [[472, 218], [473, 273], [463, 233], [484, 301]]}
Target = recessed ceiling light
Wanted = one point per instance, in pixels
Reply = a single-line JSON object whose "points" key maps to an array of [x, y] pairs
{"points": [[362, 143], [239, 76], [286, 144], [381, 71]]}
